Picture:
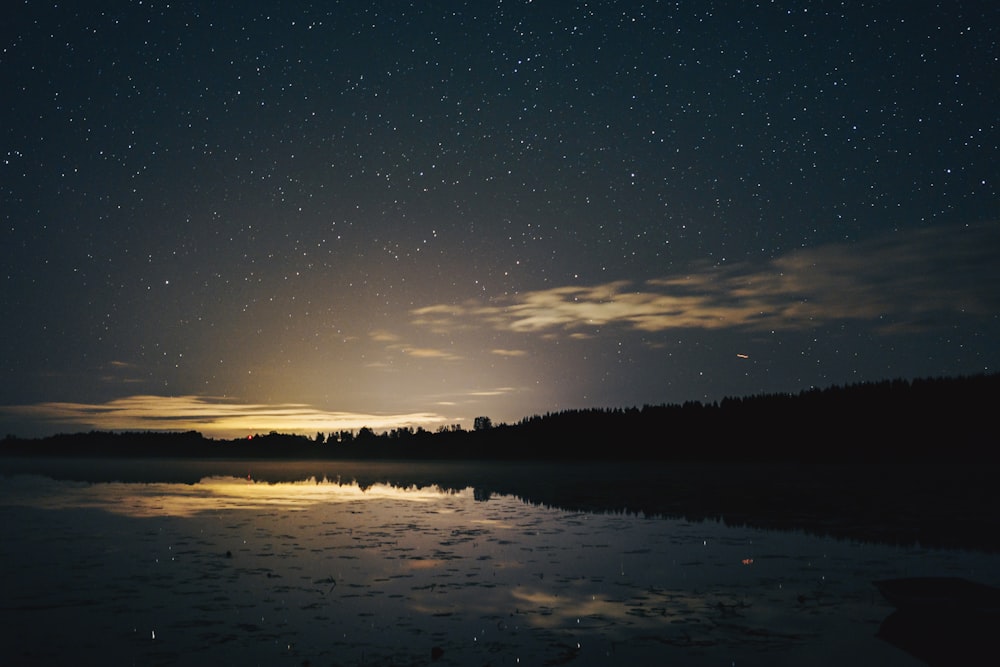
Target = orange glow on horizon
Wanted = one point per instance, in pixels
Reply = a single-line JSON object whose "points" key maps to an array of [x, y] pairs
{"points": [[218, 417]]}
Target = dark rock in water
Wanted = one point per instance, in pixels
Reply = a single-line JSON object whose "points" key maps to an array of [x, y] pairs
{"points": [[940, 594], [943, 639], [229, 554], [436, 652], [942, 621]]}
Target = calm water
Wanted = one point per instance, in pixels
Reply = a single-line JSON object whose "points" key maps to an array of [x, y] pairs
{"points": [[238, 569]]}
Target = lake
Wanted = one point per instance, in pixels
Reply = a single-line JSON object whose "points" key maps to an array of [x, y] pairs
{"points": [[306, 563]]}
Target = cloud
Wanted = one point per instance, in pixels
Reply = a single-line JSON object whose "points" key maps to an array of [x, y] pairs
{"points": [[118, 372], [382, 336], [394, 343], [214, 417], [900, 283], [498, 391], [427, 353]]}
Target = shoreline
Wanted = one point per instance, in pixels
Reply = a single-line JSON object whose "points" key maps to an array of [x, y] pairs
{"points": [[953, 506]]}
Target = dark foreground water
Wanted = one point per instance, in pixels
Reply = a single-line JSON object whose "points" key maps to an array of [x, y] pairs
{"points": [[187, 563]]}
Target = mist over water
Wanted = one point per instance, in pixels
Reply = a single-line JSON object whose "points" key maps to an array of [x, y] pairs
{"points": [[265, 567]]}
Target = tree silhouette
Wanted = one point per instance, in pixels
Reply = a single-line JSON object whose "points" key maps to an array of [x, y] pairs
{"points": [[923, 420]]}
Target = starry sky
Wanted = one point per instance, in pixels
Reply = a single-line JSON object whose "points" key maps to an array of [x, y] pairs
{"points": [[238, 217]]}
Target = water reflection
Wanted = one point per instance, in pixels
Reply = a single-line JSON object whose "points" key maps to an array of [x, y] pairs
{"points": [[210, 494], [875, 503], [318, 571]]}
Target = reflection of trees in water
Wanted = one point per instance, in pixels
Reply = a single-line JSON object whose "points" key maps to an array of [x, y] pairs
{"points": [[882, 503]]}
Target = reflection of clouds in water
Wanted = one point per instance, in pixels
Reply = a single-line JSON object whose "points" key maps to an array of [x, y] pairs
{"points": [[211, 494], [493, 523], [565, 609], [424, 564], [645, 608]]}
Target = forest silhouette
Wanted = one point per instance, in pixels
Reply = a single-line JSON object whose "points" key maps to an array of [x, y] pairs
{"points": [[922, 420]]}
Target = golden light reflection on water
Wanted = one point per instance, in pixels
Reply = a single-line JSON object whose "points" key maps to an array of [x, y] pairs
{"points": [[424, 564], [211, 494], [488, 581]]}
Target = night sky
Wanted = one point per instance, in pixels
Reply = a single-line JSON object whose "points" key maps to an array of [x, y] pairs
{"points": [[304, 217]]}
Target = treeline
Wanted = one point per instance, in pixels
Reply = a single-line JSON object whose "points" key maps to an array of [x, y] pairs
{"points": [[914, 420]]}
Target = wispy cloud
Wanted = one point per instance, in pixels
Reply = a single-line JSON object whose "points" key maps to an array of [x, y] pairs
{"points": [[427, 353], [383, 336], [903, 282], [214, 417], [496, 391], [118, 372], [395, 343]]}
